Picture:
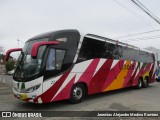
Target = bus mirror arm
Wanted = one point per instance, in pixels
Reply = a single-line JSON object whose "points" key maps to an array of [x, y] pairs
{"points": [[10, 51], [36, 46]]}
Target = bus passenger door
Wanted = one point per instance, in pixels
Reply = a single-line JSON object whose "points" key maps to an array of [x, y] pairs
{"points": [[54, 63], [53, 70]]}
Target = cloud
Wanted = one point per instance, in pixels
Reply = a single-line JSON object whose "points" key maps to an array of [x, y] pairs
{"points": [[24, 19]]}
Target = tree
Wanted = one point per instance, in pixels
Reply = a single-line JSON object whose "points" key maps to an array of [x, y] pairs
{"points": [[2, 54], [9, 65]]}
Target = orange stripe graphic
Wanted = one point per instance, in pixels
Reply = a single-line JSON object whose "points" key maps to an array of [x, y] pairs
{"points": [[118, 82]]}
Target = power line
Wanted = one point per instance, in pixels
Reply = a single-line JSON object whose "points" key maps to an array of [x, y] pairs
{"points": [[149, 11], [143, 38], [146, 10], [137, 16], [137, 34]]}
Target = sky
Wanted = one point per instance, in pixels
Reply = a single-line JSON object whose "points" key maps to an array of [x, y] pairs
{"points": [[23, 19]]}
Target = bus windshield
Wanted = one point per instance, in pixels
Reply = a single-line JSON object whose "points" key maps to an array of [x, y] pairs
{"points": [[27, 66]]}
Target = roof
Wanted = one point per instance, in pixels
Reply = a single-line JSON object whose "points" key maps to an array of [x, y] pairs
{"points": [[52, 33]]}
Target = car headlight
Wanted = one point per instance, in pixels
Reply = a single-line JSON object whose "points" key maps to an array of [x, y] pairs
{"points": [[33, 88]]}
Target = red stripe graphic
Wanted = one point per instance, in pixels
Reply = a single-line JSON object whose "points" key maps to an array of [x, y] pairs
{"points": [[99, 78], [85, 77], [49, 94], [134, 75], [65, 93], [127, 81], [88, 73], [142, 71], [152, 74], [113, 73], [138, 75]]}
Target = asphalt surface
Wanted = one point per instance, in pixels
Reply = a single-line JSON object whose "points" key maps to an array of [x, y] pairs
{"points": [[6, 79], [130, 99]]}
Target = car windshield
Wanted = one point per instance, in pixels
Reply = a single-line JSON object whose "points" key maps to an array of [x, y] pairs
{"points": [[27, 66]]}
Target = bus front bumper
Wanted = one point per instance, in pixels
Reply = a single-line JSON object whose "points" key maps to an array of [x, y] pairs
{"points": [[28, 97]]}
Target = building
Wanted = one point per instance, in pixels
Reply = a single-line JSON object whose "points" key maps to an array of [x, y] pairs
{"points": [[155, 51]]}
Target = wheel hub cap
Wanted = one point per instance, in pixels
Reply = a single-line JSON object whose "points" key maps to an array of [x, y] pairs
{"points": [[77, 93]]}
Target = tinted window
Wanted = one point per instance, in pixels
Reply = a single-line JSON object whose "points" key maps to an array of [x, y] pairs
{"points": [[135, 54], [98, 49], [59, 58], [92, 49], [55, 59], [51, 60]]}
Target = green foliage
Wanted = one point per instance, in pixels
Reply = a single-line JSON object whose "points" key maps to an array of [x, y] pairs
{"points": [[9, 65], [2, 56]]}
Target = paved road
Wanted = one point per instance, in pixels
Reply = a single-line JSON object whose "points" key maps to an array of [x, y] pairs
{"points": [[6, 79], [130, 99]]}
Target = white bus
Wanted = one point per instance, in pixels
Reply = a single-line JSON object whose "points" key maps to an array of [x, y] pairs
{"points": [[66, 65]]}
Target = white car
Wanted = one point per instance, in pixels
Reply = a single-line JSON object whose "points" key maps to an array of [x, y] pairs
{"points": [[11, 72]]}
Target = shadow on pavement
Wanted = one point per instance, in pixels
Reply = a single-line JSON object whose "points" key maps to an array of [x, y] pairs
{"points": [[65, 103]]}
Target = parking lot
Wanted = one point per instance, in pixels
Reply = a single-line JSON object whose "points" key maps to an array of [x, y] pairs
{"points": [[130, 99]]}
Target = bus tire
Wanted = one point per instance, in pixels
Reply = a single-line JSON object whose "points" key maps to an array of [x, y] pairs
{"points": [[145, 82], [77, 93], [139, 86]]}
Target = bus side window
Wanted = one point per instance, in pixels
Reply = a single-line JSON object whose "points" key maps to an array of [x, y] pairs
{"points": [[51, 60], [59, 58], [55, 59]]}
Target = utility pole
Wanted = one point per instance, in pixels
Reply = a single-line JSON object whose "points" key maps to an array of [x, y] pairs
{"points": [[18, 43]]}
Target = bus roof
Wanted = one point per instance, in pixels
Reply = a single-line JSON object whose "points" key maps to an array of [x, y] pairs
{"points": [[50, 34]]}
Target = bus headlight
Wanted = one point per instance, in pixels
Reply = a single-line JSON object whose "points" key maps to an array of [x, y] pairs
{"points": [[32, 89]]}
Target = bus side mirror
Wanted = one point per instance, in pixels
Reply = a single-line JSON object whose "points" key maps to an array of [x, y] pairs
{"points": [[36, 46], [10, 51]]}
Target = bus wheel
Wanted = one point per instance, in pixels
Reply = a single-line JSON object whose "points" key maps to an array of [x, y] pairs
{"points": [[139, 86], [145, 82], [77, 93]]}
